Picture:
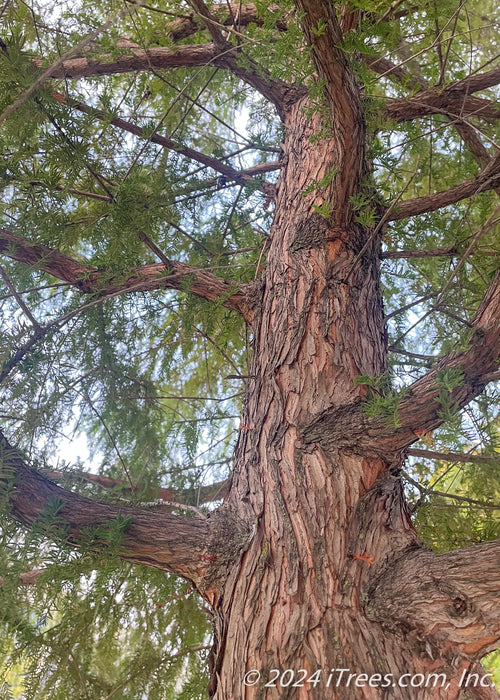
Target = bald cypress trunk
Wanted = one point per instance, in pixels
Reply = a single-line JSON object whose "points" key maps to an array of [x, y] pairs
{"points": [[324, 523]]}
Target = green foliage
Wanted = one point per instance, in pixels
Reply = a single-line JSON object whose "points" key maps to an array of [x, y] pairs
{"points": [[323, 209], [448, 379], [382, 400], [322, 184], [93, 626]]}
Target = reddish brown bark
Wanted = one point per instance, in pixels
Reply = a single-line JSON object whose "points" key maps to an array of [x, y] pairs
{"points": [[419, 411], [227, 14], [458, 612], [146, 278], [171, 542], [330, 517]]}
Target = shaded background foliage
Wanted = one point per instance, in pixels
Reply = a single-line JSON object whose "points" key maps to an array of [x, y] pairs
{"points": [[155, 380]]}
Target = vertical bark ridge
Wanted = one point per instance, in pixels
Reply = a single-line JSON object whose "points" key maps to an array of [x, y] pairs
{"points": [[320, 325], [325, 520]]}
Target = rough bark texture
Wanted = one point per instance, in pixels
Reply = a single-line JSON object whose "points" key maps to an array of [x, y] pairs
{"points": [[323, 522], [323, 503]]}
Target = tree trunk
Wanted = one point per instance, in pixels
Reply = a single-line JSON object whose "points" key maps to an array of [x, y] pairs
{"points": [[326, 525]]}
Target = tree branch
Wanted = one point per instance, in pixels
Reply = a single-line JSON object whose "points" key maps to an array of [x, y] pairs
{"points": [[452, 456], [429, 491], [276, 91], [488, 179], [169, 542], [324, 35], [465, 130], [210, 23], [420, 410], [187, 25], [241, 177], [26, 578], [450, 601], [148, 277], [454, 99], [386, 68], [430, 253], [478, 691], [198, 496]]}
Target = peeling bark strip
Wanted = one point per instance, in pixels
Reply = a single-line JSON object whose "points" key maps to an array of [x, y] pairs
{"points": [[139, 279]]}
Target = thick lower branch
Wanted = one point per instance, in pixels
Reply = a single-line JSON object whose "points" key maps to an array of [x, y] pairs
{"points": [[173, 543], [449, 601], [89, 280]]}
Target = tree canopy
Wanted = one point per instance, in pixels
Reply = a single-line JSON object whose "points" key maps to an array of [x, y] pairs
{"points": [[141, 145]]}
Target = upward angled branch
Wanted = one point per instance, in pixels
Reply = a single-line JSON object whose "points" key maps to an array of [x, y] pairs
{"points": [[453, 99], [488, 179], [473, 105], [421, 410], [89, 280], [170, 542], [241, 177]]}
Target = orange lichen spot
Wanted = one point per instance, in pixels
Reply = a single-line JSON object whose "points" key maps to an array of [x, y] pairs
{"points": [[420, 433], [246, 427], [364, 557], [59, 97]]}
